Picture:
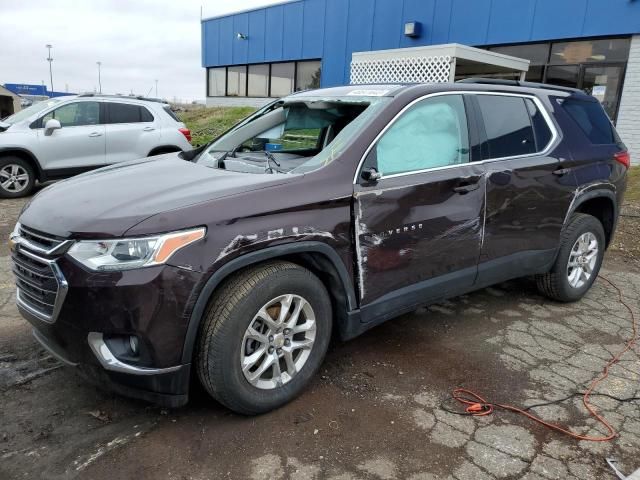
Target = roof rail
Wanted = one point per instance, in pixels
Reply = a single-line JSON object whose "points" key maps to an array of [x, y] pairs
{"points": [[519, 83], [133, 97]]}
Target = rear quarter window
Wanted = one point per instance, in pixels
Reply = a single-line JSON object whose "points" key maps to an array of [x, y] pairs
{"points": [[592, 120], [127, 113], [170, 112]]}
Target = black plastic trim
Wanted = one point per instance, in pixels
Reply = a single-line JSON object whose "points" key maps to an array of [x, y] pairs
{"points": [[253, 258], [57, 173]]}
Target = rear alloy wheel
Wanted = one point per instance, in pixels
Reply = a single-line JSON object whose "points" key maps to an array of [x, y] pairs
{"points": [[582, 260], [578, 262], [263, 337], [16, 178]]}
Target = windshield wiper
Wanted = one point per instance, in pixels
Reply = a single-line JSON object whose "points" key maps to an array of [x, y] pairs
{"points": [[271, 158]]}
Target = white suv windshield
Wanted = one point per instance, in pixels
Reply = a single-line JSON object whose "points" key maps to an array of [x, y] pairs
{"points": [[30, 111], [297, 135]]}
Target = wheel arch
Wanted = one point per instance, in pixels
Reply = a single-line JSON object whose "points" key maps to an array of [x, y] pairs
{"points": [[163, 149], [601, 204], [318, 257], [27, 156]]}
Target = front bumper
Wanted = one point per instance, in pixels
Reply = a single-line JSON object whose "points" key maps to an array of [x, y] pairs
{"points": [[152, 304], [164, 387]]}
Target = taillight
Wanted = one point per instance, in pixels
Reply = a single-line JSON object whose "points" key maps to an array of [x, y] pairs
{"points": [[624, 158], [186, 132]]}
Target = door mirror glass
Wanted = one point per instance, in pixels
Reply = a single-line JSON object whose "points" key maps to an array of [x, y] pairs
{"points": [[51, 125]]}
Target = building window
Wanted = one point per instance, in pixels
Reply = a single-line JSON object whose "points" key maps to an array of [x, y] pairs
{"points": [[536, 53], [237, 81], [264, 79], [259, 80], [217, 82], [590, 51], [308, 75], [282, 79], [595, 66]]}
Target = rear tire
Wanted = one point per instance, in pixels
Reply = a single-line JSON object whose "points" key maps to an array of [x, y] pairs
{"points": [[237, 342], [17, 177], [579, 259]]}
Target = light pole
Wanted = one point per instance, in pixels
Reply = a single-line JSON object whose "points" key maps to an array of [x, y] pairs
{"points": [[99, 78], [50, 60], [156, 88]]}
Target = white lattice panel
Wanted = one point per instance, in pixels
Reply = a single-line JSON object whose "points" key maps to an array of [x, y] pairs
{"points": [[435, 69]]}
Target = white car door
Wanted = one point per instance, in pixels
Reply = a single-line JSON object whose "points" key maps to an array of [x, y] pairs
{"points": [[79, 144], [131, 132]]}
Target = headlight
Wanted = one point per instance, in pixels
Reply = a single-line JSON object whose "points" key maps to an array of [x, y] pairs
{"points": [[125, 254]]}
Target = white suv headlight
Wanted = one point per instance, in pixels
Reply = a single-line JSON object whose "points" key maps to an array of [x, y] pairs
{"points": [[128, 253]]}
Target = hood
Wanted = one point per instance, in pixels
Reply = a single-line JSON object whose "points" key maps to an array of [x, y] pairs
{"points": [[106, 203]]}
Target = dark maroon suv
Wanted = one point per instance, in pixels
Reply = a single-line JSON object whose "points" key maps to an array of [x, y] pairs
{"points": [[328, 210]]}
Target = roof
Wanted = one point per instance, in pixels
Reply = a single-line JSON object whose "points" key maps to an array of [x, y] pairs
{"points": [[351, 90]]}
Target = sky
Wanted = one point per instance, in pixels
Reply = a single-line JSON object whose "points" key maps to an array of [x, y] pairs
{"points": [[137, 41]]}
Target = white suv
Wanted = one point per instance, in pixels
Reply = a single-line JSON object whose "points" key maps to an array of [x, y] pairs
{"points": [[65, 136]]}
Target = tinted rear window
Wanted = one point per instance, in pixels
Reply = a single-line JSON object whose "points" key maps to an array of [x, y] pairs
{"points": [[508, 126], [592, 119], [126, 113]]}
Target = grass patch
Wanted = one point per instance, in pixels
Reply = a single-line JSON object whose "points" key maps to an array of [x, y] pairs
{"points": [[207, 123], [633, 186]]}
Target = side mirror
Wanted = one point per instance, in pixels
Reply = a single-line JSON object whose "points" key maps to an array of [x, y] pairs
{"points": [[371, 175], [51, 125]]}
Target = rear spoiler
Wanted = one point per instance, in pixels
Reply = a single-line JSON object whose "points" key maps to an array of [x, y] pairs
{"points": [[4, 126]]}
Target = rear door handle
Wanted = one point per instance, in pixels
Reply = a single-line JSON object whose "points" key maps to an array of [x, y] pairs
{"points": [[95, 134], [148, 129], [466, 188], [561, 171]]}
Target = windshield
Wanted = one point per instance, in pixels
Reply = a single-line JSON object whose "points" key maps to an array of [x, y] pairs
{"points": [[293, 135], [32, 110]]}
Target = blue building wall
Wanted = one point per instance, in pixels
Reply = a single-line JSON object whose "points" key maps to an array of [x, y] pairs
{"points": [[332, 30]]}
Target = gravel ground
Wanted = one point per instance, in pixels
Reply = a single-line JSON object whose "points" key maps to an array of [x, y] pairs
{"points": [[374, 412]]}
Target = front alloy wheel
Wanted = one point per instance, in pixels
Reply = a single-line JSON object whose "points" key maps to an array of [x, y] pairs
{"points": [[278, 341], [264, 336], [13, 178]]}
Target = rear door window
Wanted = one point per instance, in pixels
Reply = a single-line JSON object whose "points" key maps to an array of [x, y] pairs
{"points": [[127, 113], [592, 119], [507, 125]]}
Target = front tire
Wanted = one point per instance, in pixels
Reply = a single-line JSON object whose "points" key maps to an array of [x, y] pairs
{"points": [[264, 336], [17, 177], [582, 246]]}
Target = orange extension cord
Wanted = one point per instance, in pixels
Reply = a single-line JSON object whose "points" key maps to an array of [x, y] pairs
{"points": [[478, 406]]}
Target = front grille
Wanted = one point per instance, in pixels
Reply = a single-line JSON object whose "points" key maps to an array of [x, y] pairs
{"points": [[39, 242], [41, 287]]}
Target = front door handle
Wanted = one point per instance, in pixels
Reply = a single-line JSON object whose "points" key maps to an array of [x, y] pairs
{"points": [[95, 134], [466, 188], [561, 171]]}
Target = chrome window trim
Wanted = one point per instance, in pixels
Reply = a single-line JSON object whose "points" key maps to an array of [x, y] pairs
{"points": [[110, 362], [555, 135]]}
